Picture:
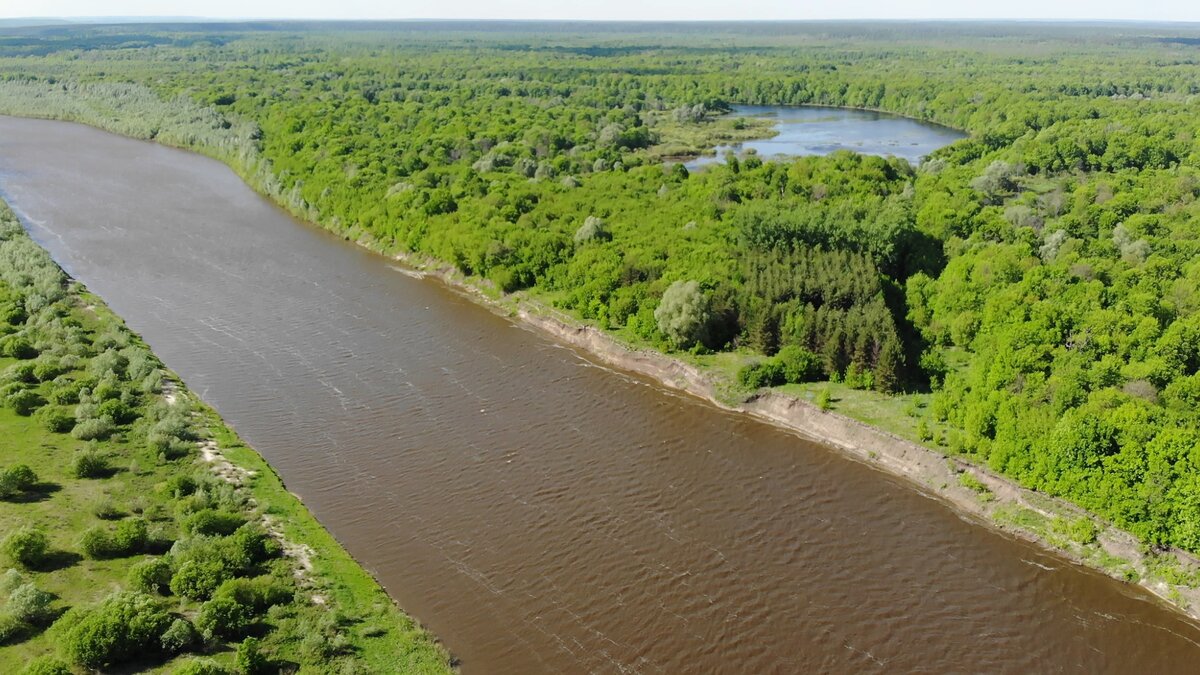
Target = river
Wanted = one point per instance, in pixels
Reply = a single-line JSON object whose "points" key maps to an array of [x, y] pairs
{"points": [[537, 512], [815, 130]]}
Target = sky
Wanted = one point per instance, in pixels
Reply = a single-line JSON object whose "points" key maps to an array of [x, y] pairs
{"points": [[1147, 10]]}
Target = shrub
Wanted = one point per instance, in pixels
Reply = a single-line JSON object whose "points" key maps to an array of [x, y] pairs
{"points": [[67, 393], [26, 547], [47, 665], [17, 347], [223, 618], [767, 373], [106, 510], [250, 659], [257, 594], [55, 419], [180, 485], [118, 629], [11, 628], [212, 522], [30, 605], [198, 579], [24, 402], [152, 575], [201, 667], [89, 464], [799, 364], [129, 538], [93, 428], [179, 637], [15, 480]]}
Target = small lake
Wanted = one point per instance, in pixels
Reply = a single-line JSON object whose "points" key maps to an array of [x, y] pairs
{"points": [[811, 130]]}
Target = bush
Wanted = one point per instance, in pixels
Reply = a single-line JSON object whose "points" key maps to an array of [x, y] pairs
{"points": [[55, 419], [118, 411], [257, 594], [16, 480], [129, 538], [26, 547], [89, 464], [223, 618], [250, 659], [24, 402], [93, 428], [11, 628], [119, 629], [201, 667], [152, 575], [29, 604], [179, 637], [767, 373], [47, 665], [212, 522], [17, 348], [180, 485], [197, 579], [799, 364]]}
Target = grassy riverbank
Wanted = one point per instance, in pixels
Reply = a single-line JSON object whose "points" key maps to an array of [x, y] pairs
{"points": [[139, 532]]}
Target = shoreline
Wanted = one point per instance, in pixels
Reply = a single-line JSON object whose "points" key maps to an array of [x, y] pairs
{"points": [[983, 497]]}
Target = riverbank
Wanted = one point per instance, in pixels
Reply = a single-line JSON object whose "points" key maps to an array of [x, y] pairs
{"points": [[973, 491], [984, 497], [134, 485]]}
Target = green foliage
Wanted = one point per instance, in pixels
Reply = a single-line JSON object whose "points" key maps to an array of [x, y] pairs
{"points": [[90, 464], [213, 522], [223, 617], [179, 637], [118, 629], [197, 580], [16, 480], [682, 314], [152, 575], [47, 665], [249, 659], [55, 419], [24, 402], [25, 547], [201, 666]]}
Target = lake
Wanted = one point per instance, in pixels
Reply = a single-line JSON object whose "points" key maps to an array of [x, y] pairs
{"points": [[811, 130]]}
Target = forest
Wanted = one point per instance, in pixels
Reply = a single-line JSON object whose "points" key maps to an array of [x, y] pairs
{"points": [[1039, 277]]}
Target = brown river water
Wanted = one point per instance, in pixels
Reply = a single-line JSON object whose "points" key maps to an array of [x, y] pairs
{"points": [[538, 512]]}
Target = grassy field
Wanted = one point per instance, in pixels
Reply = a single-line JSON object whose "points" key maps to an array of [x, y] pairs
{"points": [[171, 546]]}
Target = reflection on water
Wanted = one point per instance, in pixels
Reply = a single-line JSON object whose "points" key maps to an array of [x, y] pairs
{"points": [[537, 512], [807, 130]]}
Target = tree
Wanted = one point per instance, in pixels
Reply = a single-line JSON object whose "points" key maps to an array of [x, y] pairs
{"points": [[682, 313]]}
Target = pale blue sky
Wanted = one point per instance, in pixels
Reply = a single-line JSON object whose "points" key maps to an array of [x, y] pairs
{"points": [[1158, 10]]}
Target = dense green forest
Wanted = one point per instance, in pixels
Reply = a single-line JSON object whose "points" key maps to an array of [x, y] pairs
{"points": [[1040, 276], [122, 548]]}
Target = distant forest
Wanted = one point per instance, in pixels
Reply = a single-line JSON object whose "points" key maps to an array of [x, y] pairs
{"points": [[1041, 276]]}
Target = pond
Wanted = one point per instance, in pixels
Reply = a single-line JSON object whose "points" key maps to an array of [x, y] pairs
{"points": [[811, 130]]}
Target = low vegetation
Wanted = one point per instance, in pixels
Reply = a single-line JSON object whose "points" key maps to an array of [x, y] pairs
{"points": [[121, 548]]}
